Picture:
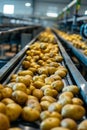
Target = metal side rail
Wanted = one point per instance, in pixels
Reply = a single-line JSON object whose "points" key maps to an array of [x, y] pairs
{"points": [[78, 78], [75, 51]]}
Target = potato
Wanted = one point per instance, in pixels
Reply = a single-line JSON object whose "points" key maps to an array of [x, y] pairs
{"points": [[56, 77], [56, 114], [7, 101], [60, 128], [25, 72], [75, 112], [33, 103], [58, 85], [24, 79], [48, 98], [19, 97], [31, 87], [37, 93], [44, 115], [6, 92], [1, 86], [15, 128], [69, 123], [10, 85], [42, 70], [38, 84], [30, 114], [25, 64], [55, 107], [20, 86], [45, 105], [65, 100], [49, 123], [28, 91], [32, 97], [51, 70], [66, 94], [46, 86], [61, 73], [50, 92], [2, 108], [58, 58], [77, 101], [13, 111], [4, 122], [72, 88], [49, 80], [83, 125]]}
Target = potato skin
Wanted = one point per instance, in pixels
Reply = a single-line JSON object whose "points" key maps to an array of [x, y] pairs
{"points": [[29, 114], [13, 111], [7, 101], [49, 123], [69, 123], [83, 125], [4, 122], [19, 97], [69, 110]]}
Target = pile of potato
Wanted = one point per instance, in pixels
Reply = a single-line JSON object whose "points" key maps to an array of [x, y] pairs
{"points": [[38, 93], [75, 40]]}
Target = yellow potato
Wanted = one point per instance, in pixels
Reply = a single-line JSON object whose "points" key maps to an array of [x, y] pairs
{"points": [[32, 97], [19, 97], [48, 98], [58, 85], [56, 114], [29, 114], [69, 123], [2, 108], [24, 79], [65, 100], [44, 115], [49, 80], [25, 72], [77, 101], [20, 86], [37, 93], [46, 86], [33, 103], [56, 77], [45, 105], [7, 101], [4, 122], [6, 92], [72, 88], [49, 123], [60, 128], [61, 73], [38, 84], [25, 64], [55, 107], [75, 112], [83, 125], [58, 58], [66, 94], [48, 92], [15, 128], [13, 111]]}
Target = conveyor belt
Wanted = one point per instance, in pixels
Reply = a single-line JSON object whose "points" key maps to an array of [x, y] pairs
{"points": [[15, 64], [75, 51], [78, 78]]}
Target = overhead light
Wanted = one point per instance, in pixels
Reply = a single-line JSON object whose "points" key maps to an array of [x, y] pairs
{"points": [[52, 14], [86, 12], [8, 9], [27, 4]]}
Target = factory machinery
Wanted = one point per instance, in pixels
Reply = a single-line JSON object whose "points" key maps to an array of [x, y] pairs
{"points": [[43, 79]]}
